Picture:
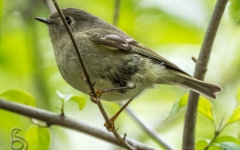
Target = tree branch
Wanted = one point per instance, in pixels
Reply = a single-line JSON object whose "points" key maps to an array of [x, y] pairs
{"points": [[56, 119], [116, 12], [149, 130], [200, 70]]}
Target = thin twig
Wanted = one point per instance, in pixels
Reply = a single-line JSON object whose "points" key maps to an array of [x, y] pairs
{"points": [[87, 77], [216, 134], [194, 59], [116, 12], [201, 67], [55, 119], [149, 130]]}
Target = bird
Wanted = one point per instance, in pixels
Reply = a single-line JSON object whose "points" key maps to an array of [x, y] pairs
{"points": [[113, 59]]}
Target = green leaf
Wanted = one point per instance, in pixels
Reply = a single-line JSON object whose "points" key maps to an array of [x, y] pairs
{"points": [[227, 139], [224, 142], [63, 97], [79, 100], [205, 108], [238, 96], [68, 97], [228, 146], [235, 116], [38, 138], [238, 131], [178, 105], [214, 147], [16, 95], [201, 144], [234, 10]]}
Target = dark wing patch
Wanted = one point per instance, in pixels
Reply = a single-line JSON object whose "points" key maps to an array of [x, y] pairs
{"points": [[130, 45]]}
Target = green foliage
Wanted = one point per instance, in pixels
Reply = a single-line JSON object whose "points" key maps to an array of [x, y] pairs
{"points": [[214, 147], [16, 95], [27, 62], [224, 139], [238, 96], [1, 9], [235, 116], [223, 142], [38, 138], [178, 105], [234, 10], [228, 146], [81, 102], [204, 107], [201, 144]]}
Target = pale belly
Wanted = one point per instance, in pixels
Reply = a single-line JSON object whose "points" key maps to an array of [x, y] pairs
{"points": [[109, 70]]}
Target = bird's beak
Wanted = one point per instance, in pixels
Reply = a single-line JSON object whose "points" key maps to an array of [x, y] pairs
{"points": [[44, 20]]}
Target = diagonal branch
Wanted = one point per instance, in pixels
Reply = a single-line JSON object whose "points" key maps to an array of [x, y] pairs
{"points": [[87, 77], [88, 80], [162, 142], [200, 70], [57, 119]]}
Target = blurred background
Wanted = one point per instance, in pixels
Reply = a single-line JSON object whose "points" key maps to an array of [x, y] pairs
{"points": [[175, 29]]}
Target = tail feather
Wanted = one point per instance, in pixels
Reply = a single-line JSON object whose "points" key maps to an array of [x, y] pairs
{"points": [[207, 89]]}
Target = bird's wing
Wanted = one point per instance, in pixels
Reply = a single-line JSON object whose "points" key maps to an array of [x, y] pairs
{"points": [[115, 41]]}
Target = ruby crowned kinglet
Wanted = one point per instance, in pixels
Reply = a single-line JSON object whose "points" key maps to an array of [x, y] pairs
{"points": [[113, 58]]}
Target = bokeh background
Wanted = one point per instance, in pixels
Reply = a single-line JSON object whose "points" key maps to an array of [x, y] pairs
{"points": [[175, 29]]}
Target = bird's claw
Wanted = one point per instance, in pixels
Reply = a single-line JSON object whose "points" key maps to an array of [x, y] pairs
{"points": [[111, 127], [95, 98]]}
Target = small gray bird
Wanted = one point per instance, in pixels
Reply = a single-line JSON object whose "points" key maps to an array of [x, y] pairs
{"points": [[113, 59]]}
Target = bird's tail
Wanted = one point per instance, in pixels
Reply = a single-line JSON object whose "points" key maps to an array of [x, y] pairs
{"points": [[207, 89]]}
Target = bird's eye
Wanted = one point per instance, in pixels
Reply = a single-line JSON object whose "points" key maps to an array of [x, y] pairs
{"points": [[69, 21]]}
